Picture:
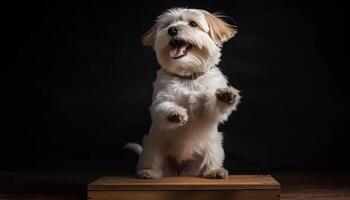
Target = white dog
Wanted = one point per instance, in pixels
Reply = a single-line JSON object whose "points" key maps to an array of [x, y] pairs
{"points": [[191, 96]]}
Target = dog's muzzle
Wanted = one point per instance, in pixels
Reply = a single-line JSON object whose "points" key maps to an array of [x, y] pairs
{"points": [[179, 47]]}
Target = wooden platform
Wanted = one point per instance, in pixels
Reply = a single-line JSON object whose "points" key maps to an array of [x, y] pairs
{"points": [[238, 187]]}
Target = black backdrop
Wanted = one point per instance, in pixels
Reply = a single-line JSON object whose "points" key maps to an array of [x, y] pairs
{"points": [[79, 83]]}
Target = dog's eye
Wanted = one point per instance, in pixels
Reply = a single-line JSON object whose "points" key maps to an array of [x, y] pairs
{"points": [[193, 24]]}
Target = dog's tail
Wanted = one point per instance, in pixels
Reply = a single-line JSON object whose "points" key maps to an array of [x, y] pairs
{"points": [[135, 147]]}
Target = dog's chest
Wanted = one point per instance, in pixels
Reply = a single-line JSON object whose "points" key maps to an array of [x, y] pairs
{"points": [[193, 97]]}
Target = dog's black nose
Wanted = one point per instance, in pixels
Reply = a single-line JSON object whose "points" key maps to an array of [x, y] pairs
{"points": [[173, 30]]}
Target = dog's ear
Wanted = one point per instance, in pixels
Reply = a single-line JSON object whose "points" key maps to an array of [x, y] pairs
{"points": [[219, 30], [149, 37]]}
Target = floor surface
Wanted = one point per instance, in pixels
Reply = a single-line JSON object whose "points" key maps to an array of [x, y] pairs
{"points": [[72, 185]]}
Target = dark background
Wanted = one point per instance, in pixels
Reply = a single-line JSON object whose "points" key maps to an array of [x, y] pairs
{"points": [[78, 84]]}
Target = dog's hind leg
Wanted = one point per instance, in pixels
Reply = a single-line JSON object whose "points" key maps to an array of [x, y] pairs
{"points": [[214, 161], [150, 162]]}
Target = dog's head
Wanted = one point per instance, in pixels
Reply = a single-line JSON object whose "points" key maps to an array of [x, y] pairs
{"points": [[188, 40]]}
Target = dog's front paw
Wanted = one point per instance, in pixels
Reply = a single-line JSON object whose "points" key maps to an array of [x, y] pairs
{"points": [[148, 174], [178, 116], [220, 173], [228, 95]]}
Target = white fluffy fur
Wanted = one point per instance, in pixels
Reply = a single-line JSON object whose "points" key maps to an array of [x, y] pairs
{"points": [[195, 100], [199, 36]]}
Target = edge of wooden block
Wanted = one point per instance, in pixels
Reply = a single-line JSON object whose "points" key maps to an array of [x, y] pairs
{"points": [[233, 182]]}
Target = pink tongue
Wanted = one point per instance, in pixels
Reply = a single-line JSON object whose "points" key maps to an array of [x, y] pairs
{"points": [[178, 51]]}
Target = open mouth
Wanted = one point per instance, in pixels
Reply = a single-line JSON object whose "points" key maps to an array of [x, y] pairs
{"points": [[179, 48]]}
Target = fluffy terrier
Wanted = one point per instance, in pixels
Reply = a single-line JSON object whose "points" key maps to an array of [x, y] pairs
{"points": [[191, 96]]}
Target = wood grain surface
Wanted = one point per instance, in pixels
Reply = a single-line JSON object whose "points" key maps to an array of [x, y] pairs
{"points": [[186, 183], [237, 187], [186, 195]]}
